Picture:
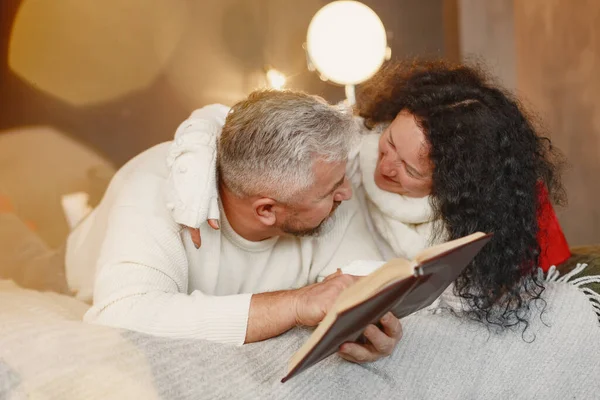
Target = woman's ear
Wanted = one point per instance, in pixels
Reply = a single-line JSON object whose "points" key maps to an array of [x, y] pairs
{"points": [[264, 210]]}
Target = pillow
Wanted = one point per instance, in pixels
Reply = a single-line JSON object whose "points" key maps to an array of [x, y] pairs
{"points": [[39, 166], [26, 259]]}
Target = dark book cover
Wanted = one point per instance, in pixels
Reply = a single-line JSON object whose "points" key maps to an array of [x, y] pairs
{"points": [[403, 298]]}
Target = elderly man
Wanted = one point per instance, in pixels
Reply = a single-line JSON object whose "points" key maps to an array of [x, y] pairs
{"points": [[282, 160]]}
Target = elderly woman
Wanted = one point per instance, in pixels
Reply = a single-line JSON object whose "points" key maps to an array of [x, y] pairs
{"points": [[456, 155]]}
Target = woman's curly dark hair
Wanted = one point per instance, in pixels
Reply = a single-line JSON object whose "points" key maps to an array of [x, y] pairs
{"points": [[490, 166]]}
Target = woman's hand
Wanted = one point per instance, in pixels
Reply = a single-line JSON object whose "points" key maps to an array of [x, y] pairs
{"points": [[382, 342], [195, 232]]}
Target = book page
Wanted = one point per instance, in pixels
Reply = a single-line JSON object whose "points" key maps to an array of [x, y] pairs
{"points": [[434, 251], [392, 271]]}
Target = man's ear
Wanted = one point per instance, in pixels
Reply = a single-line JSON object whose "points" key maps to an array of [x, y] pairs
{"points": [[264, 210]]}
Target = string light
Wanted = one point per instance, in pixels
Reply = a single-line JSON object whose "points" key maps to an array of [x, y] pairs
{"points": [[275, 79]]}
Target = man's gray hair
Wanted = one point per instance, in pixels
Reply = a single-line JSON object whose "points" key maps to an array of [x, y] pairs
{"points": [[271, 140]]}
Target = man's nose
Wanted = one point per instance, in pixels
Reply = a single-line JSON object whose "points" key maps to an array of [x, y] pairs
{"points": [[344, 192]]}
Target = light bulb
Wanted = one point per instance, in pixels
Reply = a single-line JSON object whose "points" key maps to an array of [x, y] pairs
{"points": [[346, 42]]}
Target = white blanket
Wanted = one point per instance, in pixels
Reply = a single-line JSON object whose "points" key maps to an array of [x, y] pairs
{"points": [[47, 353]]}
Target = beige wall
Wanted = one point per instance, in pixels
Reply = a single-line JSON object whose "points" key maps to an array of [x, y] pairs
{"points": [[486, 32], [548, 51], [558, 72], [121, 74]]}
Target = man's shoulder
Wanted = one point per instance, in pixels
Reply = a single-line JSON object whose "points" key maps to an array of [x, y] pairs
{"points": [[141, 181], [149, 162]]}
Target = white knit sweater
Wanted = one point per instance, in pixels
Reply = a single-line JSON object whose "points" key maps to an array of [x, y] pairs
{"points": [[150, 277]]}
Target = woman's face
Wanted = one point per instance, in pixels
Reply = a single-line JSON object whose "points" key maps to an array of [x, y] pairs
{"points": [[403, 165]]}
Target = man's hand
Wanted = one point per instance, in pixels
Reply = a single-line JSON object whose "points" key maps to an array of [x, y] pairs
{"points": [[382, 342], [273, 313], [313, 301]]}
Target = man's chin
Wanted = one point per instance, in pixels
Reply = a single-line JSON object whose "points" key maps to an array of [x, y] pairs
{"points": [[326, 226], [322, 229]]}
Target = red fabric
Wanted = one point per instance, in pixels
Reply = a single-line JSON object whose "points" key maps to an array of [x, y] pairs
{"points": [[554, 248]]}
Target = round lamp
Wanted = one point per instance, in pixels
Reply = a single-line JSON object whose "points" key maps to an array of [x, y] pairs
{"points": [[346, 42]]}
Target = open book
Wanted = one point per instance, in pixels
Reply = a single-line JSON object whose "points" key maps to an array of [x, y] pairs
{"points": [[400, 286]]}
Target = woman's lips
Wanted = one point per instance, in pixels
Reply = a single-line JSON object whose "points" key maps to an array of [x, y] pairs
{"points": [[388, 179]]}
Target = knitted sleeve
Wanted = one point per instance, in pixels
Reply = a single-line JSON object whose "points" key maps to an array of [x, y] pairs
{"points": [[142, 284]]}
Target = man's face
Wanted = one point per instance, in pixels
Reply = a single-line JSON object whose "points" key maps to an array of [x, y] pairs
{"points": [[312, 214]]}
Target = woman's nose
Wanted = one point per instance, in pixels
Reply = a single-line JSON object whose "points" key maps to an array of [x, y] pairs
{"points": [[387, 167]]}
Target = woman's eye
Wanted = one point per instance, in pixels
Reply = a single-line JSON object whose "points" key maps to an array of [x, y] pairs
{"points": [[408, 171]]}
